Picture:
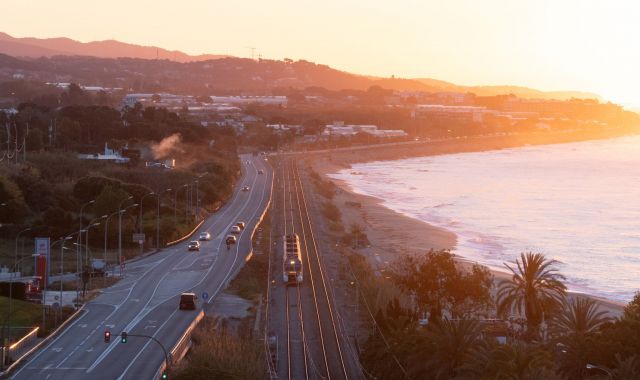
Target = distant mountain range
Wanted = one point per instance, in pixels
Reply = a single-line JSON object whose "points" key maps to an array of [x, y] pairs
{"points": [[49, 47], [88, 63]]}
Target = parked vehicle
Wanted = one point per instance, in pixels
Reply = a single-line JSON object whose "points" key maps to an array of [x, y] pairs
{"points": [[188, 301], [193, 245]]}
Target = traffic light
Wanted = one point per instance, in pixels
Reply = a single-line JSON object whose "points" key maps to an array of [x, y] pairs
{"points": [[165, 375], [123, 337], [107, 336]]}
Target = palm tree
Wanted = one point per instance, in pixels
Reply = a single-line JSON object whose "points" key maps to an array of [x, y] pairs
{"points": [[516, 360], [574, 330], [581, 316], [534, 288], [448, 346]]}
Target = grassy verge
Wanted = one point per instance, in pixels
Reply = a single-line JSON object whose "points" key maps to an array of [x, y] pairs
{"points": [[250, 282], [222, 352], [29, 315]]}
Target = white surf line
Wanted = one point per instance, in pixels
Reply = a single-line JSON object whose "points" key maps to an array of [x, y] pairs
{"points": [[145, 310]]}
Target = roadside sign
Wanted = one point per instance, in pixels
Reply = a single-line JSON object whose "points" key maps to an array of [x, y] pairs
{"points": [[205, 295], [138, 238]]}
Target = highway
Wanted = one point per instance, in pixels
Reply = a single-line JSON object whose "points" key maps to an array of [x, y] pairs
{"points": [[145, 301]]}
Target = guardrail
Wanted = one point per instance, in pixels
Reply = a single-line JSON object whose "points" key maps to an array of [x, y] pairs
{"points": [[187, 236], [43, 342], [181, 348]]}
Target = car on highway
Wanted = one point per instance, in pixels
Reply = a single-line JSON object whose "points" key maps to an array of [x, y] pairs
{"points": [[242, 225], [188, 301], [231, 240], [260, 171], [245, 188], [235, 229], [193, 245], [204, 236]]}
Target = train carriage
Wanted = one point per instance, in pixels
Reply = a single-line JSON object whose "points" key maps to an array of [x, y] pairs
{"points": [[291, 260]]}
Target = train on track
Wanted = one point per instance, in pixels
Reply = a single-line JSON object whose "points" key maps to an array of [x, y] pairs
{"points": [[291, 260]]}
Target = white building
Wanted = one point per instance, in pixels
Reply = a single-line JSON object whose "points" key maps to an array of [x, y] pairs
{"points": [[260, 99], [439, 111], [109, 155], [338, 128]]}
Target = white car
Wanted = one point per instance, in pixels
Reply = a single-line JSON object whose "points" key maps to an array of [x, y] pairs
{"points": [[204, 236], [235, 229]]}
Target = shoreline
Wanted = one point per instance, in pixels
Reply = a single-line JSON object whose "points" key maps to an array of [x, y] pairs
{"points": [[391, 233]]}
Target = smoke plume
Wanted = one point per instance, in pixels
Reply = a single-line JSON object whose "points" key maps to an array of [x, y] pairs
{"points": [[167, 147]]}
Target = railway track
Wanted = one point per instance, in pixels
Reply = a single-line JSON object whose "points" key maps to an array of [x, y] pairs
{"points": [[331, 362], [314, 346], [297, 367]]}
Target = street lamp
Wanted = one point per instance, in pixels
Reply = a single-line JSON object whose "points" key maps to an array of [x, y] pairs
{"points": [[15, 264], [197, 195], [62, 248], [601, 368], [94, 223], [120, 228], [80, 228], [175, 203], [106, 231], [158, 219], [141, 204], [120, 213], [88, 262]]}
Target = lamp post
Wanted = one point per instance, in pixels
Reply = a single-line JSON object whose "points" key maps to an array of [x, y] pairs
{"points": [[141, 204], [120, 229], [88, 262], [62, 248], [79, 229], [175, 203], [15, 264], [94, 223], [158, 219], [120, 213], [106, 231], [198, 196]]}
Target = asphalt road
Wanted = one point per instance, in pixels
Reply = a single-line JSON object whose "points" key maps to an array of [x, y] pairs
{"points": [[145, 301]]}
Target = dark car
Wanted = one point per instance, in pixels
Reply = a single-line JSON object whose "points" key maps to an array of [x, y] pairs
{"points": [[231, 240], [193, 245], [188, 301]]}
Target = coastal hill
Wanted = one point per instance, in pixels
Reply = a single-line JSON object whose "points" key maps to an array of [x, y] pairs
{"points": [[48, 47], [148, 68]]}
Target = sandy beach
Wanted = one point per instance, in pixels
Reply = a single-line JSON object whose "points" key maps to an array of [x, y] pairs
{"points": [[391, 233]]}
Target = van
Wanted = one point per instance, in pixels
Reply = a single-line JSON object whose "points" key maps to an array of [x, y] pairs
{"points": [[188, 301]]}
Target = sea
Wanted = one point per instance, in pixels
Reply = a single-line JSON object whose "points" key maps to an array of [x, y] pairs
{"points": [[577, 203]]}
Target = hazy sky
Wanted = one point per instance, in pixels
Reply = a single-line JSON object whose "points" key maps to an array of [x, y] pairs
{"points": [[547, 44]]}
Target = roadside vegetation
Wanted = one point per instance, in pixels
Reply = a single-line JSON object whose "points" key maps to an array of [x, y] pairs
{"points": [[44, 185], [529, 329], [222, 352]]}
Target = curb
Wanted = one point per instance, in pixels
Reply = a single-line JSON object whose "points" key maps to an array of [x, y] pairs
{"points": [[55, 332]]}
